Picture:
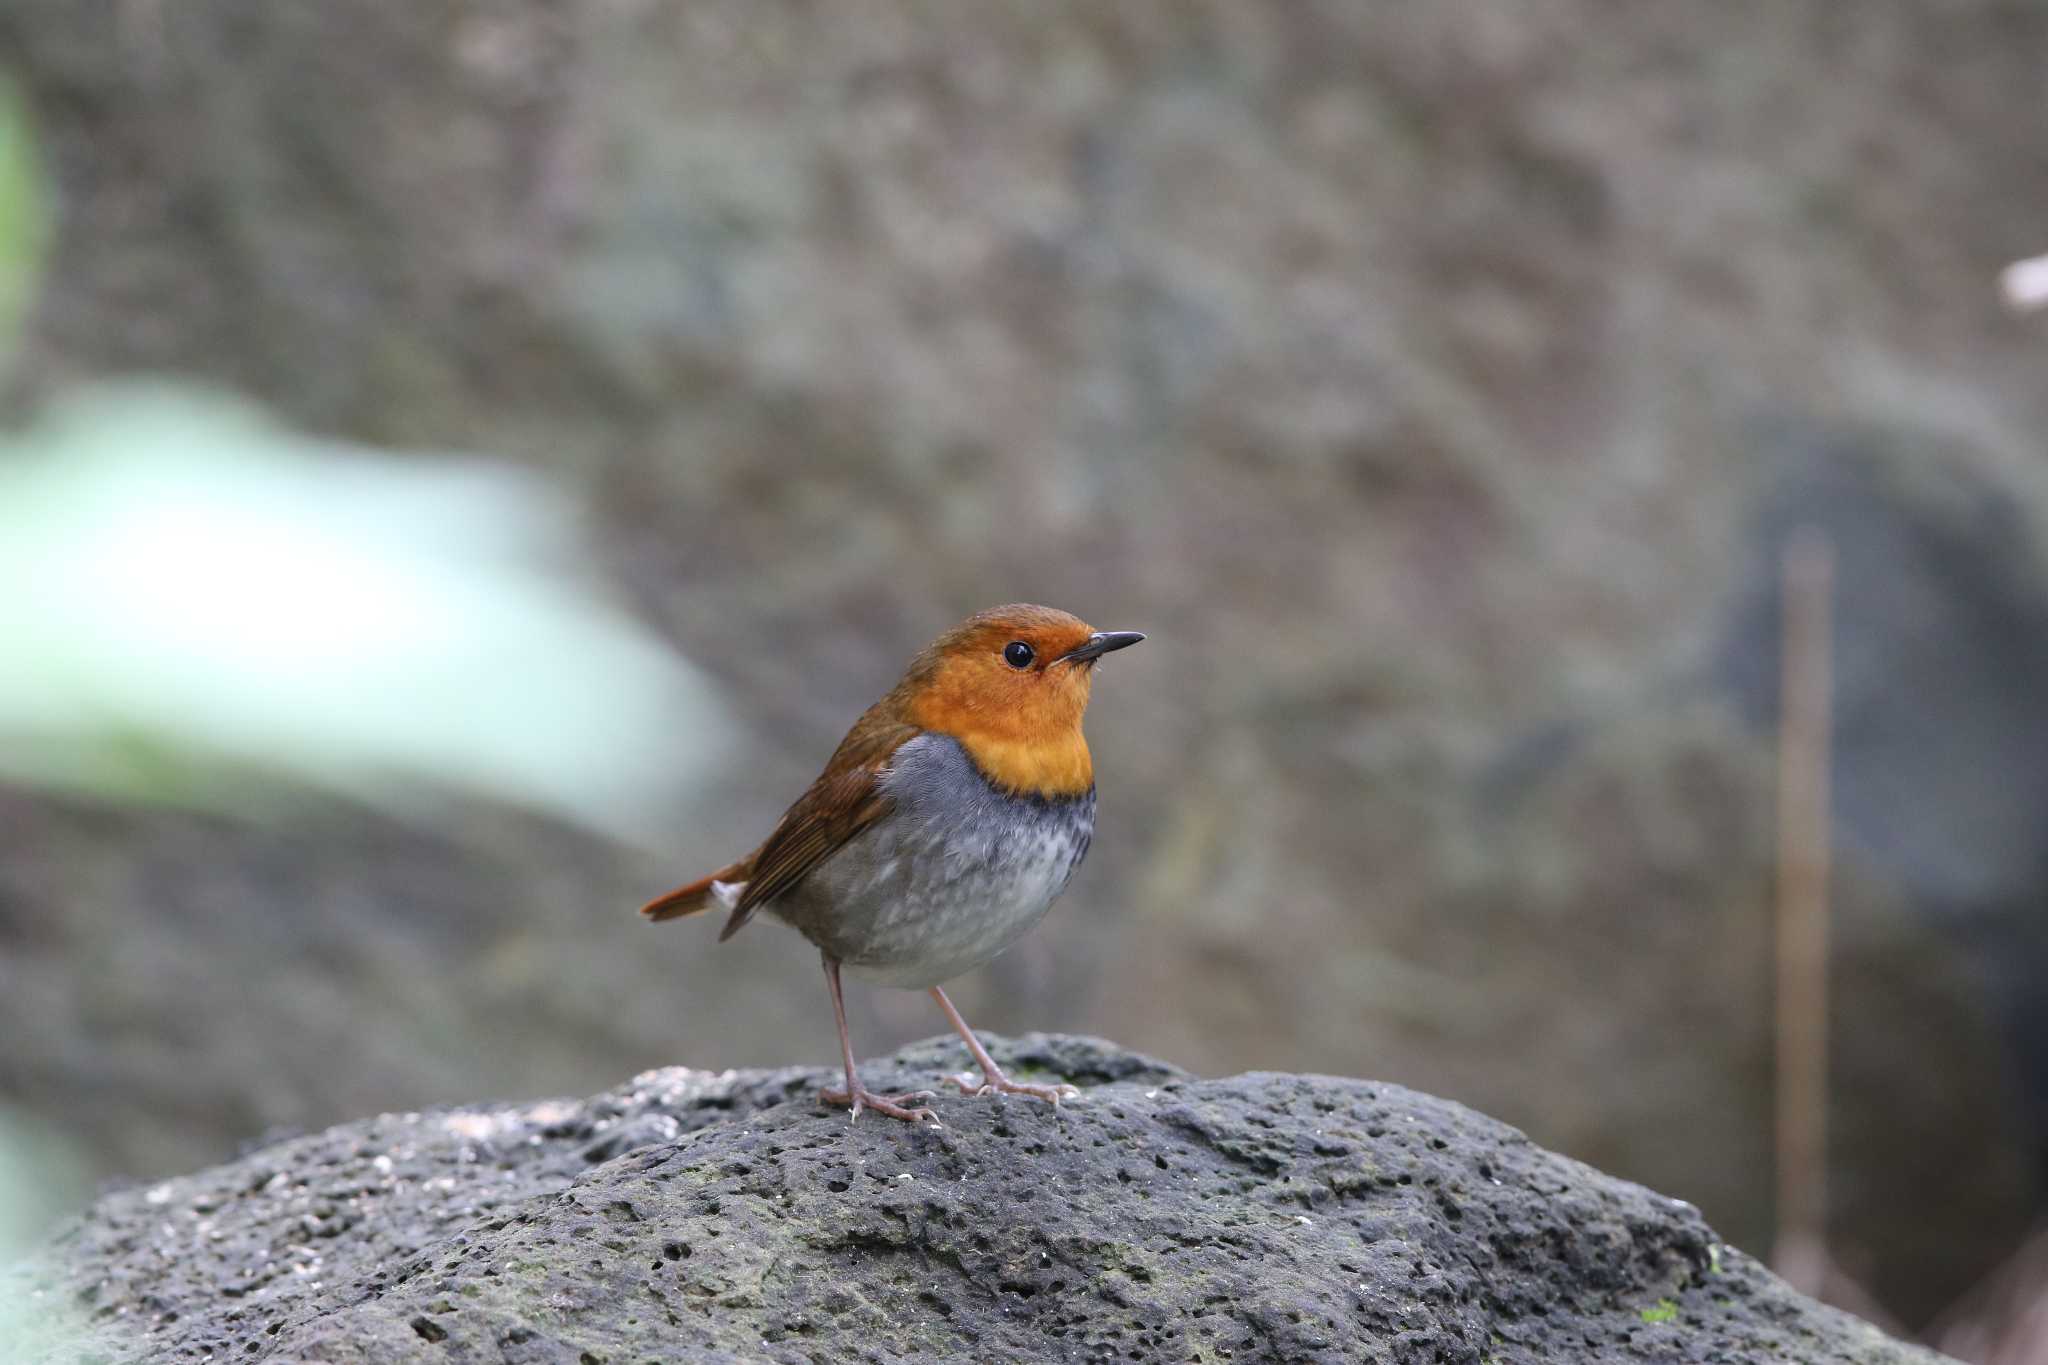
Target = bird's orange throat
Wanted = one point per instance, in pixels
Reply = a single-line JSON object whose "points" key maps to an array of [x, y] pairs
{"points": [[1023, 733], [1056, 769]]}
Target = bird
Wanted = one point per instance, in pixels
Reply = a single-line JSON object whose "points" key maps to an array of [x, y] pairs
{"points": [[946, 823]]}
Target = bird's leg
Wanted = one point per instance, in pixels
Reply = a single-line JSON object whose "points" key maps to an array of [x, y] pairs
{"points": [[993, 1079], [857, 1096]]}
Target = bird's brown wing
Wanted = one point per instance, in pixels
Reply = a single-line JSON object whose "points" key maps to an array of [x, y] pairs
{"points": [[846, 799]]}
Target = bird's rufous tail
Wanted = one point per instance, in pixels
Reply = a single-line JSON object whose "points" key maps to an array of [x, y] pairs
{"points": [[698, 895]]}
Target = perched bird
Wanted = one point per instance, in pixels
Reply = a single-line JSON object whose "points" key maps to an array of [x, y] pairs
{"points": [[949, 819]]}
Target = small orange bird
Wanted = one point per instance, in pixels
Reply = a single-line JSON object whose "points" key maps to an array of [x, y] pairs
{"points": [[948, 821]]}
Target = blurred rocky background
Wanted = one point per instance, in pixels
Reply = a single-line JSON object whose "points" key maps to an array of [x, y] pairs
{"points": [[1437, 385]]}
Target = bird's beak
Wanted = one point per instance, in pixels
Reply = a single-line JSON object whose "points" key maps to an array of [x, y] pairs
{"points": [[1101, 643]]}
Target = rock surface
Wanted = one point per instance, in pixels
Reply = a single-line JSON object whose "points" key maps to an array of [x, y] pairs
{"points": [[698, 1216]]}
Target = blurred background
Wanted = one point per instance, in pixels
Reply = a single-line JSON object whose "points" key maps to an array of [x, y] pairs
{"points": [[464, 466]]}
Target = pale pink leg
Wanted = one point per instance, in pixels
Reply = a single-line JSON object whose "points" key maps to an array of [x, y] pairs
{"points": [[993, 1079], [857, 1096]]}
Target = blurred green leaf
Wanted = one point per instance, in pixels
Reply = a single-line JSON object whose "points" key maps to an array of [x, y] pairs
{"points": [[24, 214], [192, 595], [39, 1179]]}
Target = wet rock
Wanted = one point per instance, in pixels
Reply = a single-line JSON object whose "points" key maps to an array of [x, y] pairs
{"points": [[1161, 1218]]}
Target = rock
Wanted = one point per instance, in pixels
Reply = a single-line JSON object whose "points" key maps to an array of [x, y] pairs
{"points": [[697, 1216]]}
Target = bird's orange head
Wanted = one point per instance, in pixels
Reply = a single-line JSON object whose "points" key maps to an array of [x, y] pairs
{"points": [[1011, 684]]}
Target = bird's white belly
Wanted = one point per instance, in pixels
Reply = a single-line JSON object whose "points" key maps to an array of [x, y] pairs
{"points": [[947, 881]]}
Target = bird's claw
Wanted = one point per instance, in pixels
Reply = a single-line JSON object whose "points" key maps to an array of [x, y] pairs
{"points": [[997, 1083], [891, 1106]]}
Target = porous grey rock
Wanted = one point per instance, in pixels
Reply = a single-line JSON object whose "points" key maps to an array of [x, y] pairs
{"points": [[698, 1216]]}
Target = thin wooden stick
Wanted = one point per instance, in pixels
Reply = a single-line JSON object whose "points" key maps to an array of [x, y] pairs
{"points": [[1805, 722]]}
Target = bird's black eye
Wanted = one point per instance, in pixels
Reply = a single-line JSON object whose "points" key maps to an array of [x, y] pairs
{"points": [[1018, 654]]}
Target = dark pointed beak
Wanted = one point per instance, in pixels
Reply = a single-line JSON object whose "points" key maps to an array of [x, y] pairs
{"points": [[1101, 643]]}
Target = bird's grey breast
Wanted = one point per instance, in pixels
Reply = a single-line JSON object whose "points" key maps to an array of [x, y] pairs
{"points": [[950, 877]]}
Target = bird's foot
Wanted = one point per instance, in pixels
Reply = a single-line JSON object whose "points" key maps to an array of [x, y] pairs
{"points": [[994, 1082], [892, 1106]]}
